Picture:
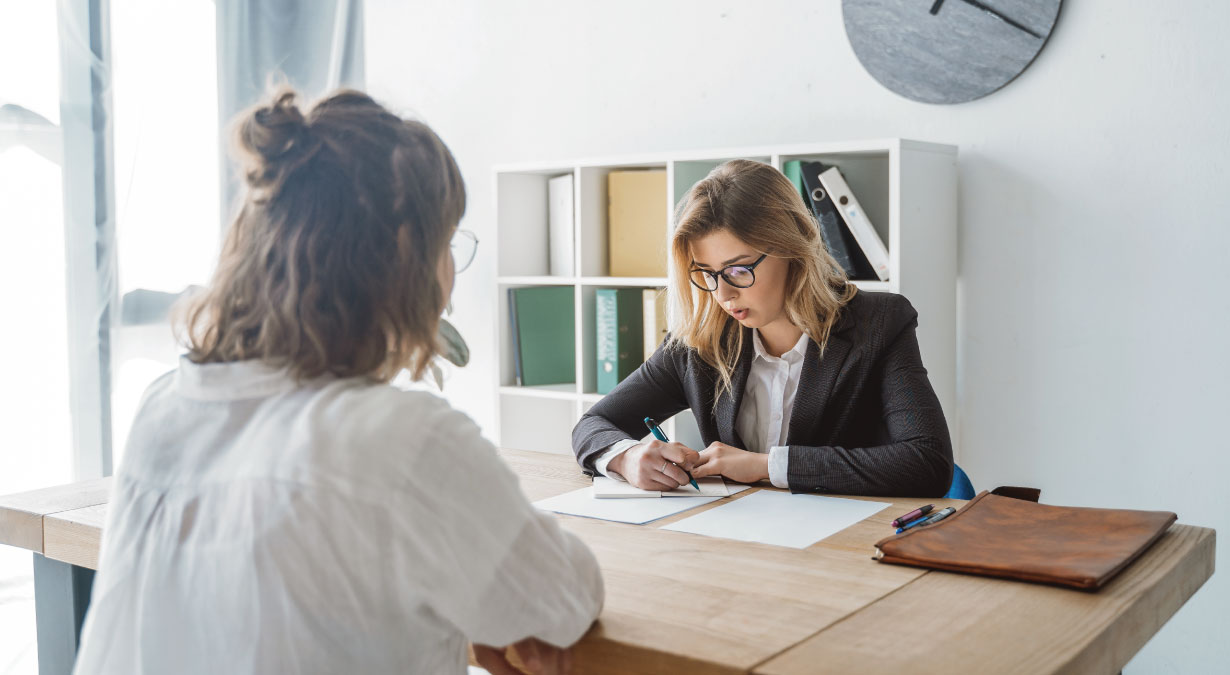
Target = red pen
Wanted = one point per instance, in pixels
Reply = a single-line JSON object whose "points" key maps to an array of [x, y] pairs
{"points": [[913, 515]]}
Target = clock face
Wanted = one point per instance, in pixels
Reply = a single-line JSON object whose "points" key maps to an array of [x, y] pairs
{"points": [[947, 51]]}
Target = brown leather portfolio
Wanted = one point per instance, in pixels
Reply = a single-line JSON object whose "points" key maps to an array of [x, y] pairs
{"points": [[1000, 536]]}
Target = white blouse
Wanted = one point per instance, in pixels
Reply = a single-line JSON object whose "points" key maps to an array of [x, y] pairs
{"points": [[259, 525], [768, 399], [764, 413]]}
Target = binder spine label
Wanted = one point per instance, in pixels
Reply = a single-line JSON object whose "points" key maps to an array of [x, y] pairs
{"points": [[607, 341]]}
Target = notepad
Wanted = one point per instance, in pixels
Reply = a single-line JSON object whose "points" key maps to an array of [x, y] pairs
{"points": [[610, 488], [779, 518], [636, 511]]}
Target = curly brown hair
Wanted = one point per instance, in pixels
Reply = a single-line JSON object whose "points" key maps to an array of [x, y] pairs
{"points": [[330, 266]]}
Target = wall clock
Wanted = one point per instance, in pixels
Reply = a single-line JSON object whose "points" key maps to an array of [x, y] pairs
{"points": [[947, 51]]}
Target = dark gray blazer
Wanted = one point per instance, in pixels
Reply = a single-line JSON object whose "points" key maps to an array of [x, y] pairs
{"points": [[865, 421]]}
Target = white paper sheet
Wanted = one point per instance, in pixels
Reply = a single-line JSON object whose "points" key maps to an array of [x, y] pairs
{"points": [[610, 488], [636, 511], [778, 518]]}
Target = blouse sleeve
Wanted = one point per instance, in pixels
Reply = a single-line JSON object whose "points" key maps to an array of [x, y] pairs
{"points": [[487, 560]]}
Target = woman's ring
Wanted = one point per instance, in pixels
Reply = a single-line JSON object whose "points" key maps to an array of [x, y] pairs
{"points": [[664, 463]]}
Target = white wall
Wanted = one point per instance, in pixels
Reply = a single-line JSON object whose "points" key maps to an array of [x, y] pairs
{"points": [[1094, 291]]}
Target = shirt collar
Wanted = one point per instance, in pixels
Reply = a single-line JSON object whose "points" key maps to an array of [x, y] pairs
{"points": [[798, 350], [231, 381]]}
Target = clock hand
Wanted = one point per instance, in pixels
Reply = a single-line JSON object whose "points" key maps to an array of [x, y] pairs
{"points": [[992, 12]]}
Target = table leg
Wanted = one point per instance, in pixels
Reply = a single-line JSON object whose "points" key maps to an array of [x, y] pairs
{"points": [[61, 596]]}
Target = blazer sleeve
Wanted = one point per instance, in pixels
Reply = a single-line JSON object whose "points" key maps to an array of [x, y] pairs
{"points": [[916, 460], [653, 390]]}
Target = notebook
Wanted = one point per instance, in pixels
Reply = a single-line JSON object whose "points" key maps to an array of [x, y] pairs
{"points": [[1000, 536], [610, 488], [636, 511]]}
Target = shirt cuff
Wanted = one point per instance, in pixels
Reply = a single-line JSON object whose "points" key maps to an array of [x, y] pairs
{"points": [[611, 453], [779, 466]]}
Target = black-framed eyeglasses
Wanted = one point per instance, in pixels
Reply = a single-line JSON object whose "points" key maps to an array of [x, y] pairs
{"points": [[739, 276], [462, 247]]}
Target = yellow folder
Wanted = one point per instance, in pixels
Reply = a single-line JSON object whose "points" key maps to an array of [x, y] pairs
{"points": [[637, 223]]}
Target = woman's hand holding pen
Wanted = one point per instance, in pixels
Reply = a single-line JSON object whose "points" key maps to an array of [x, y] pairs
{"points": [[655, 465], [743, 466]]}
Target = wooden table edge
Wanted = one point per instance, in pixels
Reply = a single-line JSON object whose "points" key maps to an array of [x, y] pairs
{"points": [[29, 531], [1084, 660], [1116, 640], [77, 541]]}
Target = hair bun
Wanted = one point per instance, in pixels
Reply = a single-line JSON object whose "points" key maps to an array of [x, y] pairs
{"points": [[271, 134]]}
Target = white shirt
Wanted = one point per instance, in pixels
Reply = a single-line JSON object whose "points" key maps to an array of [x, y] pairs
{"points": [[764, 413], [258, 525]]}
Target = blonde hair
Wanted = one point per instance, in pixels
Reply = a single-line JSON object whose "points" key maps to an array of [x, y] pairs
{"points": [[761, 207], [331, 264]]}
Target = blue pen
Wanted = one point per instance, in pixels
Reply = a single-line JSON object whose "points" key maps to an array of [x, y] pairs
{"points": [[657, 433], [912, 523], [928, 520]]}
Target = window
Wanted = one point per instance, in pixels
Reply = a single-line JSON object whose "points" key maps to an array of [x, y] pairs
{"points": [[34, 403], [110, 202], [84, 327], [35, 412], [168, 225]]}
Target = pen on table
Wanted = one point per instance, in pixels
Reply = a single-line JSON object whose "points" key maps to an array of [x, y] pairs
{"points": [[928, 520], [917, 521], [657, 433], [912, 515]]}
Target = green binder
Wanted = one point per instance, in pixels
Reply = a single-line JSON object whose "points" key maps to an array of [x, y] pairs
{"points": [[620, 335], [794, 171], [543, 331]]}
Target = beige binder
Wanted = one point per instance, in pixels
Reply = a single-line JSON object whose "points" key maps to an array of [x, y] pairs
{"points": [[637, 223], [653, 304]]}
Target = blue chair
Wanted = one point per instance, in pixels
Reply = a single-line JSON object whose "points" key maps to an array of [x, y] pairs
{"points": [[961, 488]]}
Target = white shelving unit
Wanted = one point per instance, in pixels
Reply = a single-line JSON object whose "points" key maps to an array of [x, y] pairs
{"points": [[908, 189]]}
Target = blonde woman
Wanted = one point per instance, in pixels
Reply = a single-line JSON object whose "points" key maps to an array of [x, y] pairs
{"points": [[793, 374], [281, 508]]}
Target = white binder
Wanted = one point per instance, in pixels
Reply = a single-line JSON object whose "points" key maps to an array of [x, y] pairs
{"points": [[560, 226], [856, 219]]}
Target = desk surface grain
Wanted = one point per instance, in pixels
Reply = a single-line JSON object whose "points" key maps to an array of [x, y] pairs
{"points": [[21, 515], [679, 602], [952, 623]]}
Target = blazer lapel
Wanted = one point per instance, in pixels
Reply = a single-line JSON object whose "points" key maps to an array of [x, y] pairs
{"points": [[727, 409], [816, 383]]}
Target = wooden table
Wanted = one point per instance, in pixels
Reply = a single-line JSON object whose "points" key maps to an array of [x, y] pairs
{"points": [[719, 606]]}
